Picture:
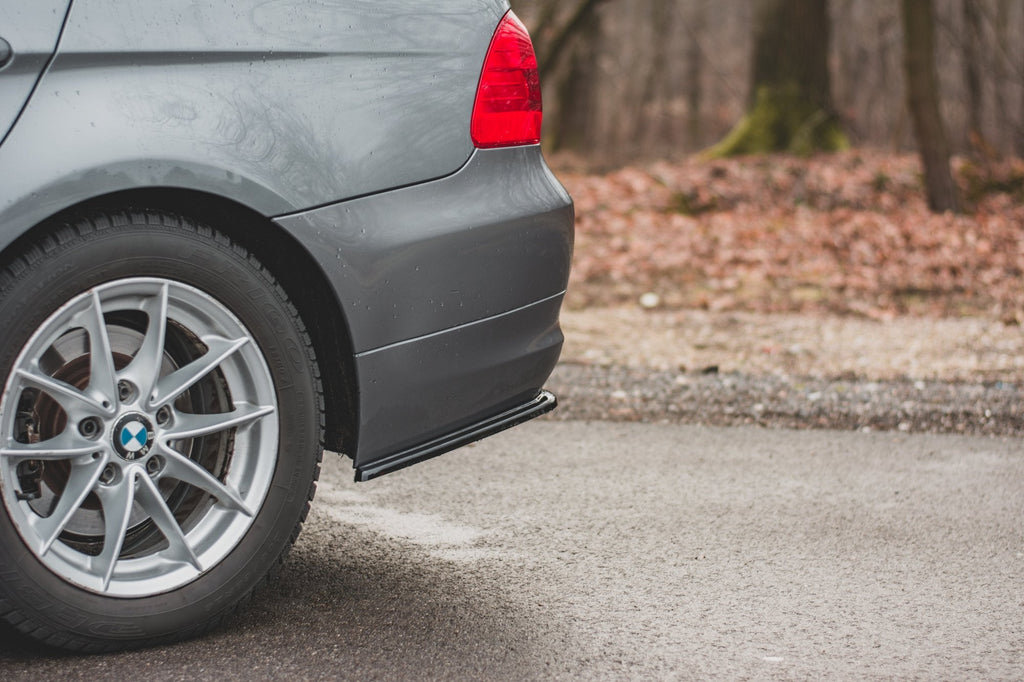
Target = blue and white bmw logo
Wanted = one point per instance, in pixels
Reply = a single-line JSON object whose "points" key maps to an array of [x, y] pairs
{"points": [[133, 436]]}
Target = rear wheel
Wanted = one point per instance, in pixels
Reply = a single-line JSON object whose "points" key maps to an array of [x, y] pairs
{"points": [[160, 431]]}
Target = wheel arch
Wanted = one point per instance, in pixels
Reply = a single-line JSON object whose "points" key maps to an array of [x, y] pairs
{"points": [[287, 260]]}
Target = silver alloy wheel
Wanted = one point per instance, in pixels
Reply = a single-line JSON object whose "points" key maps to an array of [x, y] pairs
{"points": [[139, 437]]}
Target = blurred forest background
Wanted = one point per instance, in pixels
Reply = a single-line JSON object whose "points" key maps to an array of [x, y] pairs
{"points": [[645, 101], [628, 80]]}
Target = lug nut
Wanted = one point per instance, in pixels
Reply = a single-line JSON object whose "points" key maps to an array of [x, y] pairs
{"points": [[163, 415], [89, 427], [125, 391], [154, 465], [108, 475]]}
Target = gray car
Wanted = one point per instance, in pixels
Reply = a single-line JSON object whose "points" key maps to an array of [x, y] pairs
{"points": [[233, 234]]}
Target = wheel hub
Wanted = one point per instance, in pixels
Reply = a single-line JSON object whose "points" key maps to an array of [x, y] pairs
{"points": [[133, 436]]}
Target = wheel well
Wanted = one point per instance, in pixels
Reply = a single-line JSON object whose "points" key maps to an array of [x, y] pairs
{"points": [[295, 270]]}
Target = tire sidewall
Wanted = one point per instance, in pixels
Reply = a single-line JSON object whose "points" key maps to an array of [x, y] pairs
{"points": [[143, 247]]}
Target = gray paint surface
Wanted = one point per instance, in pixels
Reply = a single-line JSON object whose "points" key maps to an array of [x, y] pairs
{"points": [[298, 104], [29, 31], [411, 392], [491, 238]]}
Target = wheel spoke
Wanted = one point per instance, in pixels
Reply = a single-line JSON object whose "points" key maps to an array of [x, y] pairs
{"points": [[80, 483], [75, 402], [195, 425], [117, 508], [144, 369], [152, 502], [102, 376], [174, 384], [183, 469], [64, 446]]}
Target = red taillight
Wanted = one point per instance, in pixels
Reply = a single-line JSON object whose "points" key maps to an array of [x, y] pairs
{"points": [[507, 110]]}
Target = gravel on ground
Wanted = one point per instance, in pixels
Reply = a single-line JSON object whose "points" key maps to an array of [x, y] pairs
{"points": [[918, 375]]}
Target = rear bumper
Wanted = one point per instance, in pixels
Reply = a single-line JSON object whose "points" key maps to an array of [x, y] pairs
{"points": [[451, 290]]}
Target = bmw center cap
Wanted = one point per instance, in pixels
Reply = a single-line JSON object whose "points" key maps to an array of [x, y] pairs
{"points": [[133, 436]]}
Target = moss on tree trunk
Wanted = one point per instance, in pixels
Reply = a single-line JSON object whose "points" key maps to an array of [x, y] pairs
{"points": [[783, 119]]}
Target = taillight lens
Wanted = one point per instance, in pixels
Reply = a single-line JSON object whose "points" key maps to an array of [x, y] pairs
{"points": [[507, 110]]}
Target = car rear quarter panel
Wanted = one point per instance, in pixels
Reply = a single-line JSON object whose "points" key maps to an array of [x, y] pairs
{"points": [[280, 105]]}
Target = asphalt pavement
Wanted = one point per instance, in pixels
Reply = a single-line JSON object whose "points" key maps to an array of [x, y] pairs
{"points": [[597, 550]]}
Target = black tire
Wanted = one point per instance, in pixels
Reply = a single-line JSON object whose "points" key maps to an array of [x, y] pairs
{"points": [[139, 595]]}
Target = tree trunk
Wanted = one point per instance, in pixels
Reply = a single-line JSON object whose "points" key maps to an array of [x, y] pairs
{"points": [[649, 121], [790, 103], [694, 70], [1000, 69], [569, 129], [922, 89], [1019, 129], [972, 72], [577, 23]]}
